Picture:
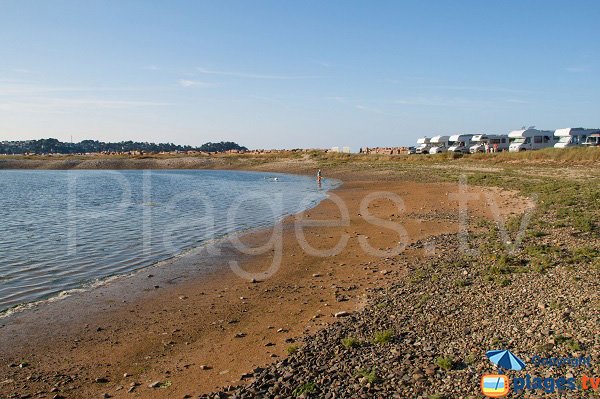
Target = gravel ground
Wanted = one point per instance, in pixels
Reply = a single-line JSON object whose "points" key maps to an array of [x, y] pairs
{"points": [[426, 336]]}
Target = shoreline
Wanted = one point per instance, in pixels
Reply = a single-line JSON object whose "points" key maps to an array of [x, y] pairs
{"points": [[173, 333]]}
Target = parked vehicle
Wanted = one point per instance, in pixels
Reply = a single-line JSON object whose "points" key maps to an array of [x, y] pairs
{"points": [[411, 150], [531, 139], [423, 145], [460, 143], [573, 136], [593, 140], [496, 142], [439, 144]]}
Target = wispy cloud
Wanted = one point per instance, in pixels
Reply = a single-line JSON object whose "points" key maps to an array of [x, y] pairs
{"points": [[23, 89], [440, 102], [339, 99], [324, 64], [194, 83], [67, 104], [104, 103], [516, 101], [249, 75], [28, 96], [370, 109], [479, 88], [578, 68]]}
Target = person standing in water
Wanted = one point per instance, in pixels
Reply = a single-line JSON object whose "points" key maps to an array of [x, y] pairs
{"points": [[319, 176]]}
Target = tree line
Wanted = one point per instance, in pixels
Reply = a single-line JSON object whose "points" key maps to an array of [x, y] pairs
{"points": [[54, 146]]}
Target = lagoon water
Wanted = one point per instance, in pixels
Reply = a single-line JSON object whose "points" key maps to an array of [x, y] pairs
{"points": [[61, 230]]}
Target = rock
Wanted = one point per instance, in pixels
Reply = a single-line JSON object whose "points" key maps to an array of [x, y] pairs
{"points": [[343, 313], [155, 384], [418, 376], [101, 380], [205, 367], [245, 376]]}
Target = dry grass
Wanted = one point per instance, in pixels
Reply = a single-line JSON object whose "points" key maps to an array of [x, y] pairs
{"points": [[568, 155]]}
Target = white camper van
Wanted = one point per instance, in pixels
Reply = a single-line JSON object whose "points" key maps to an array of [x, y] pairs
{"points": [[423, 145], [460, 143], [572, 136], [439, 144], [531, 139], [496, 142], [593, 140]]}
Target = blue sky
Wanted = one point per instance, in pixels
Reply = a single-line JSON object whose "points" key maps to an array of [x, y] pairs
{"points": [[286, 74]]}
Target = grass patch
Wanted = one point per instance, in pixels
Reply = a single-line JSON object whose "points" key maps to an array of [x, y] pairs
{"points": [[504, 282], [463, 282], [444, 362], [584, 255], [383, 337], [573, 345], [292, 349], [584, 223], [554, 305], [370, 375], [309, 387], [537, 234], [569, 342], [470, 359], [164, 384], [418, 276], [350, 342], [423, 299]]}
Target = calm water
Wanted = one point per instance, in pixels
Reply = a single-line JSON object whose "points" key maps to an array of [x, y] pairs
{"points": [[61, 230]]}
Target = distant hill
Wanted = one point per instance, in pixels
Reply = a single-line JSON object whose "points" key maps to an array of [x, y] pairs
{"points": [[53, 146]]}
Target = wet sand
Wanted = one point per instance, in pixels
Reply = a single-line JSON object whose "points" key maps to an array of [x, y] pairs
{"points": [[195, 330]]}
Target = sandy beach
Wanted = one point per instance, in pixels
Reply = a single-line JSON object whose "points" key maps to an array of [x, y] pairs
{"points": [[191, 332]]}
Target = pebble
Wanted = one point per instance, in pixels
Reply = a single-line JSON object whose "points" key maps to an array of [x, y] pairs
{"points": [[343, 313]]}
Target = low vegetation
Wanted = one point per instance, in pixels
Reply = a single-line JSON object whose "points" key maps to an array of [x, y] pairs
{"points": [[309, 387], [370, 375], [292, 349], [350, 342], [383, 337], [444, 362]]}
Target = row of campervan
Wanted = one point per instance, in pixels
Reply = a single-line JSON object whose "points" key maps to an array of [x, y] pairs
{"points": [[518, 140]]}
